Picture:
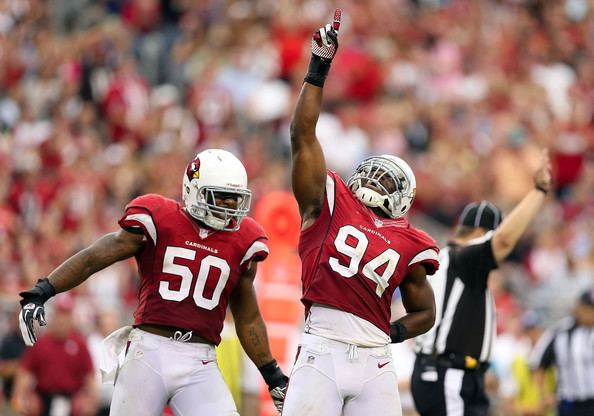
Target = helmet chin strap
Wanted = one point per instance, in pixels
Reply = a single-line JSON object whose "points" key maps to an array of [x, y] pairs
{"points": [[371, 198]]}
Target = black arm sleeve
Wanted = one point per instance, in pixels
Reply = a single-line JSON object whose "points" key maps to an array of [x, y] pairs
{"points": [[475, 261]]}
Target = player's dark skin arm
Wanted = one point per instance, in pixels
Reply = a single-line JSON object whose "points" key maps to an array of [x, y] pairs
{"points": [[249, 325], [104, 252], [419, 302], [309, 166]]}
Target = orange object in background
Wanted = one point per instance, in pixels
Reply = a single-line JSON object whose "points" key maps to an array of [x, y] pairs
{"points": [[278, 213], [279, 281]]}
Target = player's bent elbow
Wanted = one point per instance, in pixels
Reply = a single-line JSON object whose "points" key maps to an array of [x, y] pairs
{"points": [[429, 320]]}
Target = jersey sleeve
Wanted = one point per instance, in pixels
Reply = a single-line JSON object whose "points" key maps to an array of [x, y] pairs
{"points": [[427, 252], [429, 258], [476, 259], [138, 217], [257, 243]]}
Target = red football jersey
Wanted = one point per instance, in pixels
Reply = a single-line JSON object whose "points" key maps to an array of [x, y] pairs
{"points": [[353, 259], [187, 271]]}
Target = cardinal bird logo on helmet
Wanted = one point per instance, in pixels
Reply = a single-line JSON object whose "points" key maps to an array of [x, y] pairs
{"points": [[193, 170]]}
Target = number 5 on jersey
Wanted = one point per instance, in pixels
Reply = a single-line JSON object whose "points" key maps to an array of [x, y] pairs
{"points": [[208, 262], [355, 254]]}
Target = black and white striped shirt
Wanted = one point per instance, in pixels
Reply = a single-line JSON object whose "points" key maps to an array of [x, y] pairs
{"points": [[465, 311], [570, 348]]}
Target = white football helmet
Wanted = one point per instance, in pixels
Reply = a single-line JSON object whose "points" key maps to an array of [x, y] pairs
{"points": [[371, 184], [213, 172]]}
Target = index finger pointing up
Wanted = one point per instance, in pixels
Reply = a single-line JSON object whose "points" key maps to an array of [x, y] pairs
{"points": [[336, 22]]}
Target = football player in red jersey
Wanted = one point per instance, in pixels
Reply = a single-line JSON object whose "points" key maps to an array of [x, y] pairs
{"points": [[356, 249], [193, 261]]}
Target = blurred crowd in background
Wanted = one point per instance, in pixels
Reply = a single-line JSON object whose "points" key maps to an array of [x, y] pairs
{"points": [[101, 101]]}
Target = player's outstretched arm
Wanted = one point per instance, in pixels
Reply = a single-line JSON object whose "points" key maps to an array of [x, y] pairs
{"points": [[419, 302], [252, 334], [309, 166], [104, 252], [511, 229]]}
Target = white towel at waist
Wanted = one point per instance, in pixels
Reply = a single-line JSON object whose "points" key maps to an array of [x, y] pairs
{"points": [[113, 353]]}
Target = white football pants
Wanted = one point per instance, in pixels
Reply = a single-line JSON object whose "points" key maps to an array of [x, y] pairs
{"points": [[331, 378], [158, 371]]}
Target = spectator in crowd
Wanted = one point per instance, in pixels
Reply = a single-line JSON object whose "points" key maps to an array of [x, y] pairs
{"points": [[12, 348], [531, 392], [569, 347], [56, 376]]}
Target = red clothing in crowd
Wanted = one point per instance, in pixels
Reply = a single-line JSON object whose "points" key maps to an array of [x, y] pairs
{"points": [[59, 365]]}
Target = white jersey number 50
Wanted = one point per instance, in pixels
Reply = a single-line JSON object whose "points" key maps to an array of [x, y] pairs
{"points": [[355, 254], [208, 262]]}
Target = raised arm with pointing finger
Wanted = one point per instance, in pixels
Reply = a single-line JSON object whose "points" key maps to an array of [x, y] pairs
{"points": [[309, 165], [356, 249]]}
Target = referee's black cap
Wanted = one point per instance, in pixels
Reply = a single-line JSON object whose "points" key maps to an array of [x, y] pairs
{"points": [[587, 298], [482, 214]]}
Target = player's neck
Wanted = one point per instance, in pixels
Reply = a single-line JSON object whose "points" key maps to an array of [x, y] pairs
{"points": [[196, 222]]}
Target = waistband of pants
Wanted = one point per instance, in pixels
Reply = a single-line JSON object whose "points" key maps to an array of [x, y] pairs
{"points": [[451, 360], [310, 339], [177, 334]]}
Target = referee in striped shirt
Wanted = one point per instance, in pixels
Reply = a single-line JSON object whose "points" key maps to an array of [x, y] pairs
{"points": [[569, 347], [451, 358]]}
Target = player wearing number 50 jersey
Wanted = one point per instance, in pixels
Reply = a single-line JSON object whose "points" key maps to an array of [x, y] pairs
{"points": [[356, 249], [194, 260]]}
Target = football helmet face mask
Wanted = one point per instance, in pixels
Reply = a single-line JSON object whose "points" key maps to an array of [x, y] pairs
{"points": [[385, 182], [212, 179]]}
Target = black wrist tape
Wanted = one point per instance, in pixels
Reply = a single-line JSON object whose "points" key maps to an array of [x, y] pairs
{"points": [[272, 374], [317, 71], [398, 332], [44, 289]]}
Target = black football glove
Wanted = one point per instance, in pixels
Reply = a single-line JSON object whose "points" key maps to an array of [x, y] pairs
{"points": [[32, 309], [277, 383], [324, 44]]}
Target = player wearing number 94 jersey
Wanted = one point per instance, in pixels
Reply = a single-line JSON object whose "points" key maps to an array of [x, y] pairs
{"points": [[356, 248], [193, 261]]}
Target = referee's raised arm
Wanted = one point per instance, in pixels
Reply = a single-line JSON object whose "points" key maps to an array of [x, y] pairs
{"points": [[454, 355], [507, 235]]}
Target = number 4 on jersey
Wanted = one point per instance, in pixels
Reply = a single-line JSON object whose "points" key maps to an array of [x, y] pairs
{"points": [[355, 253]]}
